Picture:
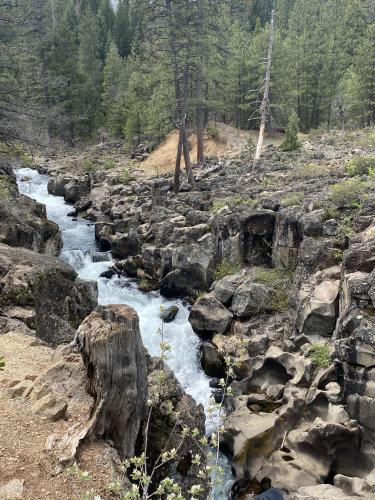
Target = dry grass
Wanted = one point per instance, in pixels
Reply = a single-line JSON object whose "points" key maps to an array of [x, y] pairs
{"points": [[230, 143]]}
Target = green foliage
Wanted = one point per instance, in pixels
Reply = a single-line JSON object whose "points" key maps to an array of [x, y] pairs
{"points": [[360, 165], [290, 142], [5, 188], [89, 166], [226, 268], [293, 199], [345, 229], [109, 164], [233, 201], [348, 193], [312, 171], [213, 130], [320, 355], [337, 255], [75, 471], [278, 279], [127, 177], [2, 364]]}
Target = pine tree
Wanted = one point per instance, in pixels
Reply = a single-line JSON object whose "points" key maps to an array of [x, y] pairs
{"points": [[113, 92], [106, 20], [290, 142], [123, 32]]}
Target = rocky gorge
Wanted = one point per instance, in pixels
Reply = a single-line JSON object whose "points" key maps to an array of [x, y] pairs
{"points": [[277, 264]]}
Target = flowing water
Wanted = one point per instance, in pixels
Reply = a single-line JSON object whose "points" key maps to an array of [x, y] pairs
{"points": [[81, 252]]}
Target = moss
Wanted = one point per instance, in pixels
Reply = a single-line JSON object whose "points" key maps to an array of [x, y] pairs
{"points": [[226, 268], [293, 199], [5, 188], [320, 355]]}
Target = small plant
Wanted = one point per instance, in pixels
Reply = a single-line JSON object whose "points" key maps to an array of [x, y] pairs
{"points": [[226, 268], [337, 255], [290, 142], [345, 229], [74, 470], [109, 164], [293, 199], [348, 193], [2, 364], [320, 355], [88, 166], [5, 189], [218, 204], [213, 130], [331, 213], [278, 279], [127, 177], [360, 165]]}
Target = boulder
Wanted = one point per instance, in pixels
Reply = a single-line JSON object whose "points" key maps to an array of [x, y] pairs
{"points": [[252, 298], [212, 363], [319, 492], [318, 304], [169, 314], [224, 289], [75, 189], [23, 221], [208, 316], [47, 286]]}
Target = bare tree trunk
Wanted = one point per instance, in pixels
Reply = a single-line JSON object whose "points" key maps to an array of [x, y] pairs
{"points": [[199, 87], [185, 144], [177, 170], [265, 102]]}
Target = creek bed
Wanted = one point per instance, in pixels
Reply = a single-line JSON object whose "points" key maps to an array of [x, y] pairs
{"points": [[81, 252]]}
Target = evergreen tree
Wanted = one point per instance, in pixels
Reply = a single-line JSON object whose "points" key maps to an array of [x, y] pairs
{"points": [[123, 32], [290, 142], [113, 92], [106, 20]]}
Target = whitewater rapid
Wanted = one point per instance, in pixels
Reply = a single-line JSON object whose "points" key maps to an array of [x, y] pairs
{"points": [[79, 247]]}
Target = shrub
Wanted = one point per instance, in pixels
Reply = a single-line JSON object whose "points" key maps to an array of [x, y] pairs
{"points": [[213, 130], [292, 199], [127, 177], [109, 164], [345, 229], [218, 205], [5, 188], [348, 193], [368, 138], [337, 255], [278, 279], [312, 170], [360, 165], [226, 268], [290, 142], [88, 166], [320, 355], [2, 364]]}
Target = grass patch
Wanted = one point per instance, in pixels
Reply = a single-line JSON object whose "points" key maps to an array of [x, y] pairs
{"points": [[368, 138], [226, 268], [348, 193], [293, 199], [233, 201], [360, 165], [320, 355], [278, 279]]}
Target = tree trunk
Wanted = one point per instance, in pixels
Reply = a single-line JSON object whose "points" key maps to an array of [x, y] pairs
{"points": [[113, 354], [177, 170], [199, 87], [265, 103], [188, 167]]}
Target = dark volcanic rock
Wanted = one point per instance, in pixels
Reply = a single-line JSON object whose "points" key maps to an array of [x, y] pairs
{"points": [[23, 222], [208, 316], [48, 290]]}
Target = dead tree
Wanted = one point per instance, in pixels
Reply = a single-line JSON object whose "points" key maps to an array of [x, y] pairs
{"points": [[264, 109]]}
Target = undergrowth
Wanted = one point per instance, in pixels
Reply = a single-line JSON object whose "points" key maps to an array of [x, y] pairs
{"points": [[320, 355]]}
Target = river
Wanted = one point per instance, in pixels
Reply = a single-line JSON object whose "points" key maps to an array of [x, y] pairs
{"points": [[81, 252]]}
